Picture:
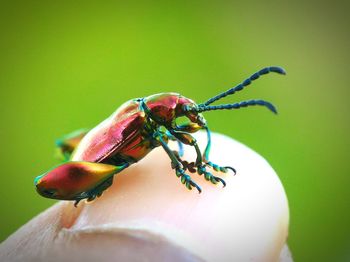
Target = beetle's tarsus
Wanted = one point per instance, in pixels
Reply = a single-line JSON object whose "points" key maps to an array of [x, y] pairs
{"points": [[223, 169], [189, 166], [232, 169], [186, 180], [209, 176]]}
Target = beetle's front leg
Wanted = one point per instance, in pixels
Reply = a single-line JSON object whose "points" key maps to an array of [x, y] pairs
{"points": [[194, 127], [216, 167], [176, 164], [188, 139], [179, 153]]}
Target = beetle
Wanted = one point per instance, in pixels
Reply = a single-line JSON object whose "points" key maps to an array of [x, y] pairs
{"points": [[129, 134]]}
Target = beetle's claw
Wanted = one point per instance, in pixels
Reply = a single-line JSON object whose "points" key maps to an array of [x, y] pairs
{"points": [[232, 169], [77, 202], [218, 179], [196, 186], [186, 180], [209, 176]]}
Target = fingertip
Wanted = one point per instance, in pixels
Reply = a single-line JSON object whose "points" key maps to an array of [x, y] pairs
{"points": [[246, 221], [150, 191]]}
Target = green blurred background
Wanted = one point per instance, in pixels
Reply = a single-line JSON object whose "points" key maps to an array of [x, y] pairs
{"points": [[68, 65]]}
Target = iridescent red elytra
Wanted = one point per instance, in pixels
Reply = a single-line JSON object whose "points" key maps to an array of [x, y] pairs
{"points": [[129, 134]]}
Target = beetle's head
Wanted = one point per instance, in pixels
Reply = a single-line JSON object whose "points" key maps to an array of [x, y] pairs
{"points": [[188, 108], [190, 111]]}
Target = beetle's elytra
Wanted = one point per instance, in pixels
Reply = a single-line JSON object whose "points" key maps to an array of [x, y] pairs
{"points": [[129, 134]]}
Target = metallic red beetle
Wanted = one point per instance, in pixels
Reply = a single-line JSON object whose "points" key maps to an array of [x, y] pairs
{"points": [[129, 134]]}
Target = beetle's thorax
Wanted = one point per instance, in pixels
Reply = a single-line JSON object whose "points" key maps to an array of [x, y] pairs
{"points": [[166, 107]]}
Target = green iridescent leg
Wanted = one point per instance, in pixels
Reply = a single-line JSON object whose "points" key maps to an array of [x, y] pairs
{"points": [[188, 139], [190, 166], [180, 153], [176, 164], [97, 192], [201, 170], [216, 167], [67, 144]]}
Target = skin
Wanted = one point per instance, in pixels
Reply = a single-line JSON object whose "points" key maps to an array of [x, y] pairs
{"points": [[148, 215]]}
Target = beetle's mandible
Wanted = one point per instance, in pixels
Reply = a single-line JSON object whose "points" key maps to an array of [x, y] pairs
{"points": [[129, 134]]}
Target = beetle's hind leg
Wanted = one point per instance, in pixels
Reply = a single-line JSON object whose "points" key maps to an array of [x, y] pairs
{"points": [[97, 192], [216, 167], [177, 165], [67, 144]]}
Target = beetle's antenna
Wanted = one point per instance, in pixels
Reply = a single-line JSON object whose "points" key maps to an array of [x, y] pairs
{"points": [[202, 108], [245, 83]]}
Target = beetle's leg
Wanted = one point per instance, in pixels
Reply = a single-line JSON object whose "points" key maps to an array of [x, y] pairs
{"points": [[67, 144], [176, 164], [190, 166], [97, 191], [194, 127], [187, 128], [181, 147], [91, 198], [190, 128], [188, 139], [76, 202], [216, 167]]}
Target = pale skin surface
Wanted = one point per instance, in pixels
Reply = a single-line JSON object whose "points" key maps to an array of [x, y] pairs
{"points": [[148, 215]]}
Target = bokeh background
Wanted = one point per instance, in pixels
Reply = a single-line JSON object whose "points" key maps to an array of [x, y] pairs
{"points": [[69, 64]]}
